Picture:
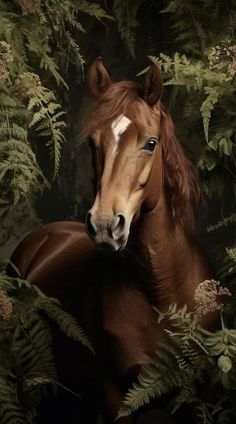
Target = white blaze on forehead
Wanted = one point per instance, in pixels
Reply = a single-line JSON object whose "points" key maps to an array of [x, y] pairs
{"points": [[119, 126]]}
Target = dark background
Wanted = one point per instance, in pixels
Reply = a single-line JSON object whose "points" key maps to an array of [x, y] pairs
{"points": [[71, 195]]}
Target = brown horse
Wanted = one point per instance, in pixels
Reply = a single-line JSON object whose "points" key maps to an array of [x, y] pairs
{"points": [[145, 252]]}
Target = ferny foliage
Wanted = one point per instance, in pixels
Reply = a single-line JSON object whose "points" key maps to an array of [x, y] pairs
{"points": [[201, 77], [27, 359]]}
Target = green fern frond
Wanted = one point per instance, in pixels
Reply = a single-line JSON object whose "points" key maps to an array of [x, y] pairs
{"points": [[93, 9], [179, 363], [20, 169], [49, 64], [204, 414], [191, 19], [125, 13], [223, 222], [208, 106], [10, 410], [187, 394], [74, 50], [228, 268], [47, 122], [6, 27], [14, 131], [35, 348], [159, 377], [232, 253], [65, 321]]}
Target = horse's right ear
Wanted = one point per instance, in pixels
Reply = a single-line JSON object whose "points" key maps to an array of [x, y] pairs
{"points": [[98, 78]]}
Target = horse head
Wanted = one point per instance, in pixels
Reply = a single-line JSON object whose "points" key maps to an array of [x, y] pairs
{"points": [[127, 131]]}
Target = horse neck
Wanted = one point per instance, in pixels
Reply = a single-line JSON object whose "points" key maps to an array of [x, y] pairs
{"points": [[170, 263]]}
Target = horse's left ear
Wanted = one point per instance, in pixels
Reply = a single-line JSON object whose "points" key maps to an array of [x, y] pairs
{"points": [[98, 78], [152, 86]]}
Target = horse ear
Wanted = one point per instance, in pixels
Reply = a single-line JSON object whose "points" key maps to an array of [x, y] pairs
{"points": [[152, 86], [98, 78]]}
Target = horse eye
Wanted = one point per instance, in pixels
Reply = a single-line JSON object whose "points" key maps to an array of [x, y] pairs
{"points": [[150, 145]]}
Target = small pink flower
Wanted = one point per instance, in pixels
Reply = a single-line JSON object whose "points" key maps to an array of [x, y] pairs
{"points": [[208, 297], [5, 306], [29, 6]]}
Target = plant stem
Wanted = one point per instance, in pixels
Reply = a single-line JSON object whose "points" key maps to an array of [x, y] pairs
{"points": [[222, 320]]}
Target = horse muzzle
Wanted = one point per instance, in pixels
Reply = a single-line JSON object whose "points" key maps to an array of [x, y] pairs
{"points": [[109, 233]]}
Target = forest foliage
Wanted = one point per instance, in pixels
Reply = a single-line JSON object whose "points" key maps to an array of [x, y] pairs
{"points": [[38, 46], [27, 364], [201, 75], [39, 42]]}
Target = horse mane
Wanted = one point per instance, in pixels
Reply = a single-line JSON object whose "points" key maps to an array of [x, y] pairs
{"points": [[180, 178]]}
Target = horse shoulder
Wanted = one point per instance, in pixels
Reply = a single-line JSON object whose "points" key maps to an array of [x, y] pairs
{"points": [[54, 256]]}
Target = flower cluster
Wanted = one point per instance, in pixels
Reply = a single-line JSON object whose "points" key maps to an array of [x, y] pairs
{"points": [[5, 306], [29, 6], [223, 56], [26, 82], [5, 58], [208, 297]]}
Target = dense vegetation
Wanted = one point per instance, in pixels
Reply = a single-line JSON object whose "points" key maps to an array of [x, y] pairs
{"points": [[202, 77], [27, 365], [38, 49]]}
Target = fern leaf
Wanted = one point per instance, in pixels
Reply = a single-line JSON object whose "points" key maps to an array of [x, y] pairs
{"points": [[10, 410], [92, 9], [187, 394], [125, 13], [65, 321], [223, 223], [47, 122], [207, 107], [153, 382]]}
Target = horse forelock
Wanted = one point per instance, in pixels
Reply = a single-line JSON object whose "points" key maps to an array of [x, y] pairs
{"points": [[180, 180], [113, 104]]}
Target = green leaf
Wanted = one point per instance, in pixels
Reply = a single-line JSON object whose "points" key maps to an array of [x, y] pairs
{"points": [[224, 363]]}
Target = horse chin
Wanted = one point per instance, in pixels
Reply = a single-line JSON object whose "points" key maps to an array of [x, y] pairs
{"points": [[110, 245], [123, 245]]}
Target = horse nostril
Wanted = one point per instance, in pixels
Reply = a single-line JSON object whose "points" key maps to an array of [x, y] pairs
{"points": [[90, 226], [119, 224]]}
